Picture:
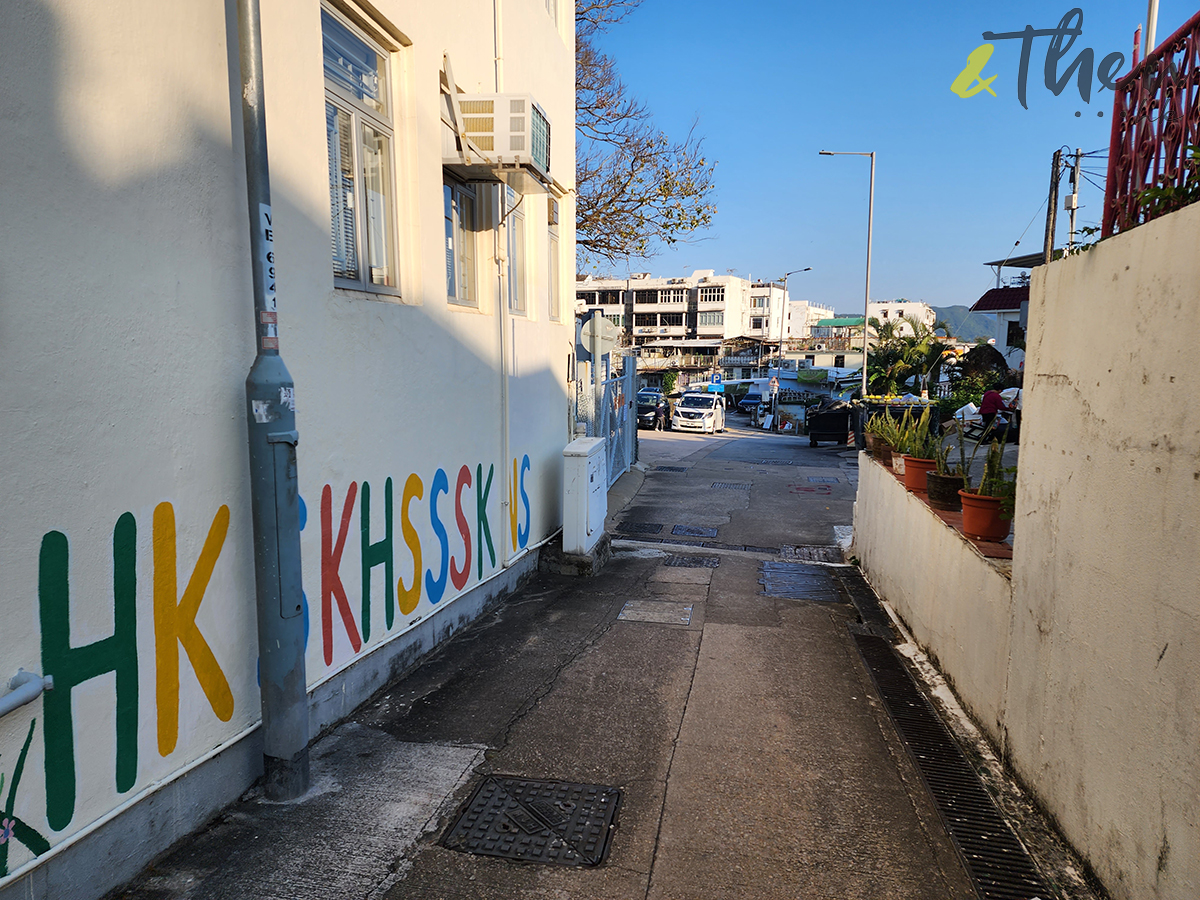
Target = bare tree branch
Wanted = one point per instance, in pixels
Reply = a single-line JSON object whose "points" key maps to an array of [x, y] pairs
{"points": [[636, 188]]}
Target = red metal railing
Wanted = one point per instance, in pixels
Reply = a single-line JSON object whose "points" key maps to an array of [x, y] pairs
{"points": [[1156, 120]]}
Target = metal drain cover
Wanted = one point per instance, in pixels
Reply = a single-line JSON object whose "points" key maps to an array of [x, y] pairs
{"points": [[821, 479], [994, 856], [657, 612], [670, 468], [551, 822], [640, 527], [796, 581], [694, 531], [693, 562], [731, 485]]}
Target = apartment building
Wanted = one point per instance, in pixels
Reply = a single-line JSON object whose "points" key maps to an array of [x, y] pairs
{"points": [[703, 306]]}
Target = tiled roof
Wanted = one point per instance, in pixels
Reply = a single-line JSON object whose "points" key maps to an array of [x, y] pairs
{"points": [[1005, 299]]}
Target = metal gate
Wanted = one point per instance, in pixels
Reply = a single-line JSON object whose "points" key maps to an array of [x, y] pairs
{"points": [[616, 418]]}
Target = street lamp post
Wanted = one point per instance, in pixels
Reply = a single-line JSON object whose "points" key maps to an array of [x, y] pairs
{"points": [[782, 326], [870, 218]]}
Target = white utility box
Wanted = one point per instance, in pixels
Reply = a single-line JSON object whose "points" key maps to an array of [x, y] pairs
{"points": [[585, 494]]}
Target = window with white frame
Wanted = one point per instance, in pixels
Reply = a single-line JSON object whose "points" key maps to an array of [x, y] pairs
{"points": [[552, 9], [461, 228], [552, 233], [358, 126], [712, 294], [714, 317], [515, 220], [756, 323]]}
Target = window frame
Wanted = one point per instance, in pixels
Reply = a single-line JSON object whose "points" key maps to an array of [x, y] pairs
{"points": [[464, 237], [516, 240], [553, 264], [363, 116]]}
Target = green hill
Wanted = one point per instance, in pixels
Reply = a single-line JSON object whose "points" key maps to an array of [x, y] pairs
{"points": [[964, 324]]}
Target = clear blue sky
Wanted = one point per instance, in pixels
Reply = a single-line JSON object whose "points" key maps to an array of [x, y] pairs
{"points": [[957, 180]]}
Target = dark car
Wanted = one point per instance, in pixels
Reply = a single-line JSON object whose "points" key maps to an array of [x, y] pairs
{"points": [[751, 400], [651, 410]]}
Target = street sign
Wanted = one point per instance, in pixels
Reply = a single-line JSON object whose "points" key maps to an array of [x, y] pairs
{"points": [[774, 385], [715, 378], [599, 335]]}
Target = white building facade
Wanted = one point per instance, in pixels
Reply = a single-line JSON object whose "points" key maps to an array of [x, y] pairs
{"points": [[803, 315], [423, 311], [703, 306], [891, 310]]}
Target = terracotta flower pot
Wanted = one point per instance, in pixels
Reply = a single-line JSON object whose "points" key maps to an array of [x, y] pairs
{"points": [[897, 462], [981, 517], [883, 451], [943, 491], [915, 470]]}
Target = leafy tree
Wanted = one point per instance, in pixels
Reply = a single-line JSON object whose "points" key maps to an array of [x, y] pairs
{"points": [[636, 188], [668, 382]]}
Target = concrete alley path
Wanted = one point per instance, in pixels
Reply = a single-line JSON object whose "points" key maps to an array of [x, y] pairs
{"points": [[743, 730]]}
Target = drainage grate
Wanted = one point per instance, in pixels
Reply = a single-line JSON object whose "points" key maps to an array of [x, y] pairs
{"points": [[552, 822], [821, 479], [776, 462], [694, 531], [731, 485], [693, 562], [670, 468], [796, 581], [640, 527], [994, 857], [811, 554]]}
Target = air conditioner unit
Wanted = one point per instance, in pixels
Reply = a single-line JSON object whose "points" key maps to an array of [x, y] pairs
{"points": [[820, 346], [511, 130]]}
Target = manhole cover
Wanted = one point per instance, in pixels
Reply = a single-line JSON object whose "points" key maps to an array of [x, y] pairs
{"points": [[670, 468], [658, 612], [731, 485], [821, 479], [694, 531], [552, 822], [812, 554], [640, 527], [693, 562], [796, 581]]}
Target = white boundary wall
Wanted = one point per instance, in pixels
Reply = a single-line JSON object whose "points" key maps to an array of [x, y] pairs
{"points": [[1086, 679]]}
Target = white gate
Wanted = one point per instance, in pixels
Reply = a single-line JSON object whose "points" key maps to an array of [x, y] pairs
{"points": [[616, 418]]}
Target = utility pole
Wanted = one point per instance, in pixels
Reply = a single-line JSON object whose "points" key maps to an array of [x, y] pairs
{"points": [[1052, 210], [274, 485], [1072, 203]]}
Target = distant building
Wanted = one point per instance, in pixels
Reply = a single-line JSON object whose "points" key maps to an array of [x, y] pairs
{"points": [[891, 310], [1010, 306], [803, 315], [703, 306]]}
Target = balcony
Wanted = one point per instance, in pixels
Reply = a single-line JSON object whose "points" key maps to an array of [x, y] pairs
{"points": [[687, 361], [1156, 115]]}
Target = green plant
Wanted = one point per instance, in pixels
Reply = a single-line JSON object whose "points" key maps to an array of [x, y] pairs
{"points": [[941, 459], [921, 442], [668, 382], [964, 464], [884, 427]]}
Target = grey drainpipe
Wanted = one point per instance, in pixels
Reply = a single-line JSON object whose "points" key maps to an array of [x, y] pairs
{"points": [[274, 486]]}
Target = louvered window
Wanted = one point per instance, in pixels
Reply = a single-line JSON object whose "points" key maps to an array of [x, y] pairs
{"points": [[358, 125]]}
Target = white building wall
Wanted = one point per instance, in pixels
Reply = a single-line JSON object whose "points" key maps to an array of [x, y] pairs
{"points": [[127, 337], [895, 309]]}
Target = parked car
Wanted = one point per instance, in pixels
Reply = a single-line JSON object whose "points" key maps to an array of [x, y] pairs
{"points": [[652, 410], [750, 401], [699, 412]]}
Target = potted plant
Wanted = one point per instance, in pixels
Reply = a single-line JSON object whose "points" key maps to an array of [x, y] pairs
{"points": [[900, 444], [920, 452], [942, 485], [886, 432], [988, 509]]}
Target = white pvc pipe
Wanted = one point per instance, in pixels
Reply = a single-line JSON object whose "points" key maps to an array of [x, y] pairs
{"points": [[1151, 27], [26, 687]]}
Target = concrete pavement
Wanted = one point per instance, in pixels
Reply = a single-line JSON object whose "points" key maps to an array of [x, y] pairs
{"points": [[752, 751]]}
